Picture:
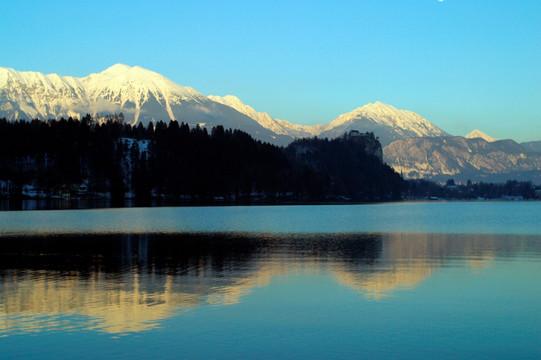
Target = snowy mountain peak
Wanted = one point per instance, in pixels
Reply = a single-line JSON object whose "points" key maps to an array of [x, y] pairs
{"points": [[384, 114], [479, 134], [6, 74], [133, 87], [230, 99], [237, 104], [118, 75], [130, 73], [381, 110], [117, 68], [280, 127], [262, 118], [139, 94], [388, 122], [9, 77], [5, 71], [378, 105], [144, 95]]}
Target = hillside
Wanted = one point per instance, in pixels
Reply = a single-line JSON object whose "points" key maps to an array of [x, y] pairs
{"points": [[462, 159]]}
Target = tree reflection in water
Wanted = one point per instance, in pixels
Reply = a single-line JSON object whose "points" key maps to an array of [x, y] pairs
{"points": [[130, 283]]}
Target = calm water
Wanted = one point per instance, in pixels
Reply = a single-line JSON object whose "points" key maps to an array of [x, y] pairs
{"points": [[421, 280], [436, 217]]}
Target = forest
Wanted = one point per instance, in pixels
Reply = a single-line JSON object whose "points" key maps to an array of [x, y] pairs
{"points": [[110, 159], [510, 190]]}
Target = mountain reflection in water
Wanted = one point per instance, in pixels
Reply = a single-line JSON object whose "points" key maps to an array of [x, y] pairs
{"points": [[130, 283]]}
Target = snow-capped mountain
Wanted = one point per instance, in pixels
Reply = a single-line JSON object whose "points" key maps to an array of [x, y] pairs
{"points": [[479, 134], [278, 126], [29, 95], [131, 90], [386, 121], [412, 145], [141, 95], [144, 96]]}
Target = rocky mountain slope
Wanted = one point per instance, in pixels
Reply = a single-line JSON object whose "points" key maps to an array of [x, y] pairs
{"points": [[532, 146], [462, 159]]}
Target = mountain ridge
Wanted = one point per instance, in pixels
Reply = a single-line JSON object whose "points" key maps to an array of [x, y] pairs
{"points": [[141, 95], [146, 96], [462, 159], [388, 122], [279, 126]]}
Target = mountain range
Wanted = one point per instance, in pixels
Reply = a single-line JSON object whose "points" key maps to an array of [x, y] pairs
{"points": [[462, 159], [146, 96], [412, 145], [141, 95]]}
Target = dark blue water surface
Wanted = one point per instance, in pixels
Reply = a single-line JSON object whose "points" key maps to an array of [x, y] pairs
{"points": [[414, 281]]}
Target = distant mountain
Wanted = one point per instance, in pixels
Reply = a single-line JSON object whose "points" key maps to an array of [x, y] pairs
{"points": [[481, 135], [281, 127], [532, 146], [386, 121], [141, 95], [462, 159], [412, 145], [29, 95], [145, 96]]}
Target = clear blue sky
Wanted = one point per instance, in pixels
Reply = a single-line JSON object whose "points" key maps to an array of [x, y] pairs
{"points": [[462, 64]]}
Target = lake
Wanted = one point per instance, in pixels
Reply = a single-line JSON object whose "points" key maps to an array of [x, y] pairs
{"points": [[405, 280]]}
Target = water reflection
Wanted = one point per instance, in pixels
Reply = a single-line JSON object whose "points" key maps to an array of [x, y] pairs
{"points": [[406, 260], [130, 283]]}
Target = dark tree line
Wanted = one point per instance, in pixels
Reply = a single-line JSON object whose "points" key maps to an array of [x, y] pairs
{"points": [[174, 161], [223, 163], [345, 168], [55, 154], [512, 189]]}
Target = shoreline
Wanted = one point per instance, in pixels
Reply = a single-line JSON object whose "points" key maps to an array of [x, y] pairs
{"points": [[33, 204]]}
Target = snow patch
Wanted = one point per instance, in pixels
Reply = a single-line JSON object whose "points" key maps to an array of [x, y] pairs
{"points": [[479, 134]]}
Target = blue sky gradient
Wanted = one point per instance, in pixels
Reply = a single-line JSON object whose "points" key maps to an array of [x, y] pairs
{"points": [[461, 64]]}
